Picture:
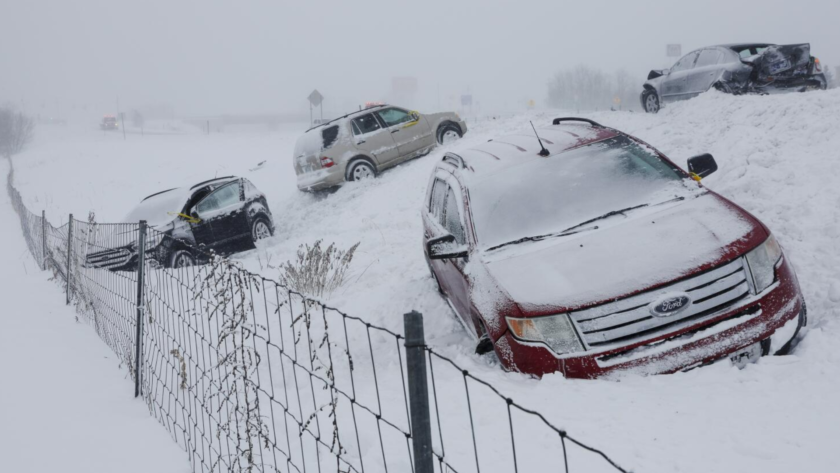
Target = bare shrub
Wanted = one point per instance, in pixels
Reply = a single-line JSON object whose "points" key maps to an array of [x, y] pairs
{"points": [[16, 131], [317, 271]]}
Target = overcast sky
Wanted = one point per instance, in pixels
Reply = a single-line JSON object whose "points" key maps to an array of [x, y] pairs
{"points": [[215, 56]]}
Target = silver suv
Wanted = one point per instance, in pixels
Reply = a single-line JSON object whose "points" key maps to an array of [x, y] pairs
{"points": [[362, 144]]}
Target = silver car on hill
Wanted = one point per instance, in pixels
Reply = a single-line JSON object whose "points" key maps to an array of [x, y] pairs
{"points": [[362, 144]]}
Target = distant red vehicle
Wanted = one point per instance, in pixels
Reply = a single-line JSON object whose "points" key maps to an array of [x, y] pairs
{"points": [[592, 254]]}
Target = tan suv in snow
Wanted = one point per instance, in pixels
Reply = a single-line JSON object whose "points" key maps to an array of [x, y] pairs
{"points": [[362, 144]]}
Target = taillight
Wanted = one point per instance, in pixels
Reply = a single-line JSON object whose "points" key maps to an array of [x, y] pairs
{"points": [[817, 65], [327, 162]]}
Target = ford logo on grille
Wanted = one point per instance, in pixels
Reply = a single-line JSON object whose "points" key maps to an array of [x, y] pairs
{"points": [[669, 304]]}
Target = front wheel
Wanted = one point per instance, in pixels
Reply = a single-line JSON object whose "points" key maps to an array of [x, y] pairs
{"points": [[650, 100], [181, 259], [448, 134], [260, 229]]}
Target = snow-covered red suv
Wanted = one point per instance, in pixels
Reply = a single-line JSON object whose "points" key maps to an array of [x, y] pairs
{"points": [[592, 254]]}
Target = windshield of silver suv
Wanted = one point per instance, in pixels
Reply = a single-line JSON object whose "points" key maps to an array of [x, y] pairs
{"points": [[547, 196]]}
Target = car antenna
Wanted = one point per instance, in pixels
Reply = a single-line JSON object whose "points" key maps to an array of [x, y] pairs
{"points": [[543, 152]]}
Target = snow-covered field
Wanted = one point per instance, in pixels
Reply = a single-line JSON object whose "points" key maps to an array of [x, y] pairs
{"points": [[777, 156], [65, 404]]}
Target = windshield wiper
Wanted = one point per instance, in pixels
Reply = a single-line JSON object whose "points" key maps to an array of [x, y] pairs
{"points": [[606, 215], [542, 237], [621, 212], [569, 231]]}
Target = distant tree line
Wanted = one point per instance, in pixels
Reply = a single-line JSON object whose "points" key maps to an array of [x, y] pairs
{"points": [[587, 88], [16, 131]]}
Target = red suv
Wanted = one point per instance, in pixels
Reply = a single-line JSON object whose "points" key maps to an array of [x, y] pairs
{"points": [[587, 251]]}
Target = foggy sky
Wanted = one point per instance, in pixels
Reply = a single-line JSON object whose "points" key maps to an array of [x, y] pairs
{"points": [[215, 56]]}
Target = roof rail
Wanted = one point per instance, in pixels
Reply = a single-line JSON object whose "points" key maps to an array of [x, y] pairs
{"points": [[345, 116], [557, 121], [211, 180], [455, 160]]}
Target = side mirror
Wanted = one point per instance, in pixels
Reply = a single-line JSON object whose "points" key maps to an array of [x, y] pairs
{"points": [[701, 166], [415, 116], [445, 247]]}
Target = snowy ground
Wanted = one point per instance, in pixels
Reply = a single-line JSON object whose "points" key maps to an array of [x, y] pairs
{"points": [[777, 158], [65, 404]]}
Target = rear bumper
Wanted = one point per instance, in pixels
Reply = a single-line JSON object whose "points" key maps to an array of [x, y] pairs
{"points": [[752, 320], [814, 81], [321, 179]]}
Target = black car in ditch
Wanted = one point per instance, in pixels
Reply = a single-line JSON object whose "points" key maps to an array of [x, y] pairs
{"points": [[760, 68], [225, 215]]}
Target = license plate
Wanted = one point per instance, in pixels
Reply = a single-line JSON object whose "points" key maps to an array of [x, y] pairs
{"points": [[748, 355], [779, 66]]}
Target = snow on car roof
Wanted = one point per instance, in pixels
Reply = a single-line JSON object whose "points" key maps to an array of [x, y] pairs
{"points": [[503, 152]]}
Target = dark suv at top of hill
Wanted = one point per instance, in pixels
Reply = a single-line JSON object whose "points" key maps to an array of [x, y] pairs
{"points": [[735, 68]]}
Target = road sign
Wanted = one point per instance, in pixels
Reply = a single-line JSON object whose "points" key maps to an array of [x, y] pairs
{"points": [[531, 104], [315, 98], [466, 100], [673, 50], [617, 100]]}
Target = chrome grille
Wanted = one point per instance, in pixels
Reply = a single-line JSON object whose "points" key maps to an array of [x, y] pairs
{"points": [[630, 319], [108, 258]]}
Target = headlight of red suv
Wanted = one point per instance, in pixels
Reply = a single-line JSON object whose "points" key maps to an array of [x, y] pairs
{"points": [[556, 331], [762, 261]]}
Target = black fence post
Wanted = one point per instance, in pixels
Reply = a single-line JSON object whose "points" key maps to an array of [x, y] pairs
{"points": [[44, 238], [69, 254], [141, 305], [418, 392]]}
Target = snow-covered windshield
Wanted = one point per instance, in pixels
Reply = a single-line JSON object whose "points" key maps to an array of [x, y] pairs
{"points": [[540, 197], [160, 208]]}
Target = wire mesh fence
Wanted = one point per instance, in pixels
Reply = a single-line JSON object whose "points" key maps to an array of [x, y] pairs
{"points": [[249, 375]]}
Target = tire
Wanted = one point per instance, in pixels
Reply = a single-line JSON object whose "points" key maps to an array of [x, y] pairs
{"points": [[361, 170], [181, 259], [650, 101], [448, 134], [721, 87], [260, 229]]}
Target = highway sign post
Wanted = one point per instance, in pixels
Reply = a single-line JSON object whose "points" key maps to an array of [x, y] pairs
{"points": [[673, 50], [315, 100]]}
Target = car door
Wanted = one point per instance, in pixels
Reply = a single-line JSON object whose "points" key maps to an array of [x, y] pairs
{"points": [[455, 272], [706, 71], [409, 132], [445, 215], [224, 210], [201, 230], [674, 85], [370, 136]]}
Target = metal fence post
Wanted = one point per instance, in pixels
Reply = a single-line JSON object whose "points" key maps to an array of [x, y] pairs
{"points": [[141, 305], [69, 253], [44, 238], [418, 392]]}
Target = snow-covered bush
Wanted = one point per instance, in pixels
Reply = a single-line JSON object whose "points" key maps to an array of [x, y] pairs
{"points": [[317, 271]]}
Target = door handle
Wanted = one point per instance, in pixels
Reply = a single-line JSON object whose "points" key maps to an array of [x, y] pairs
{"points": [[361, 142], [394, 131]]}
